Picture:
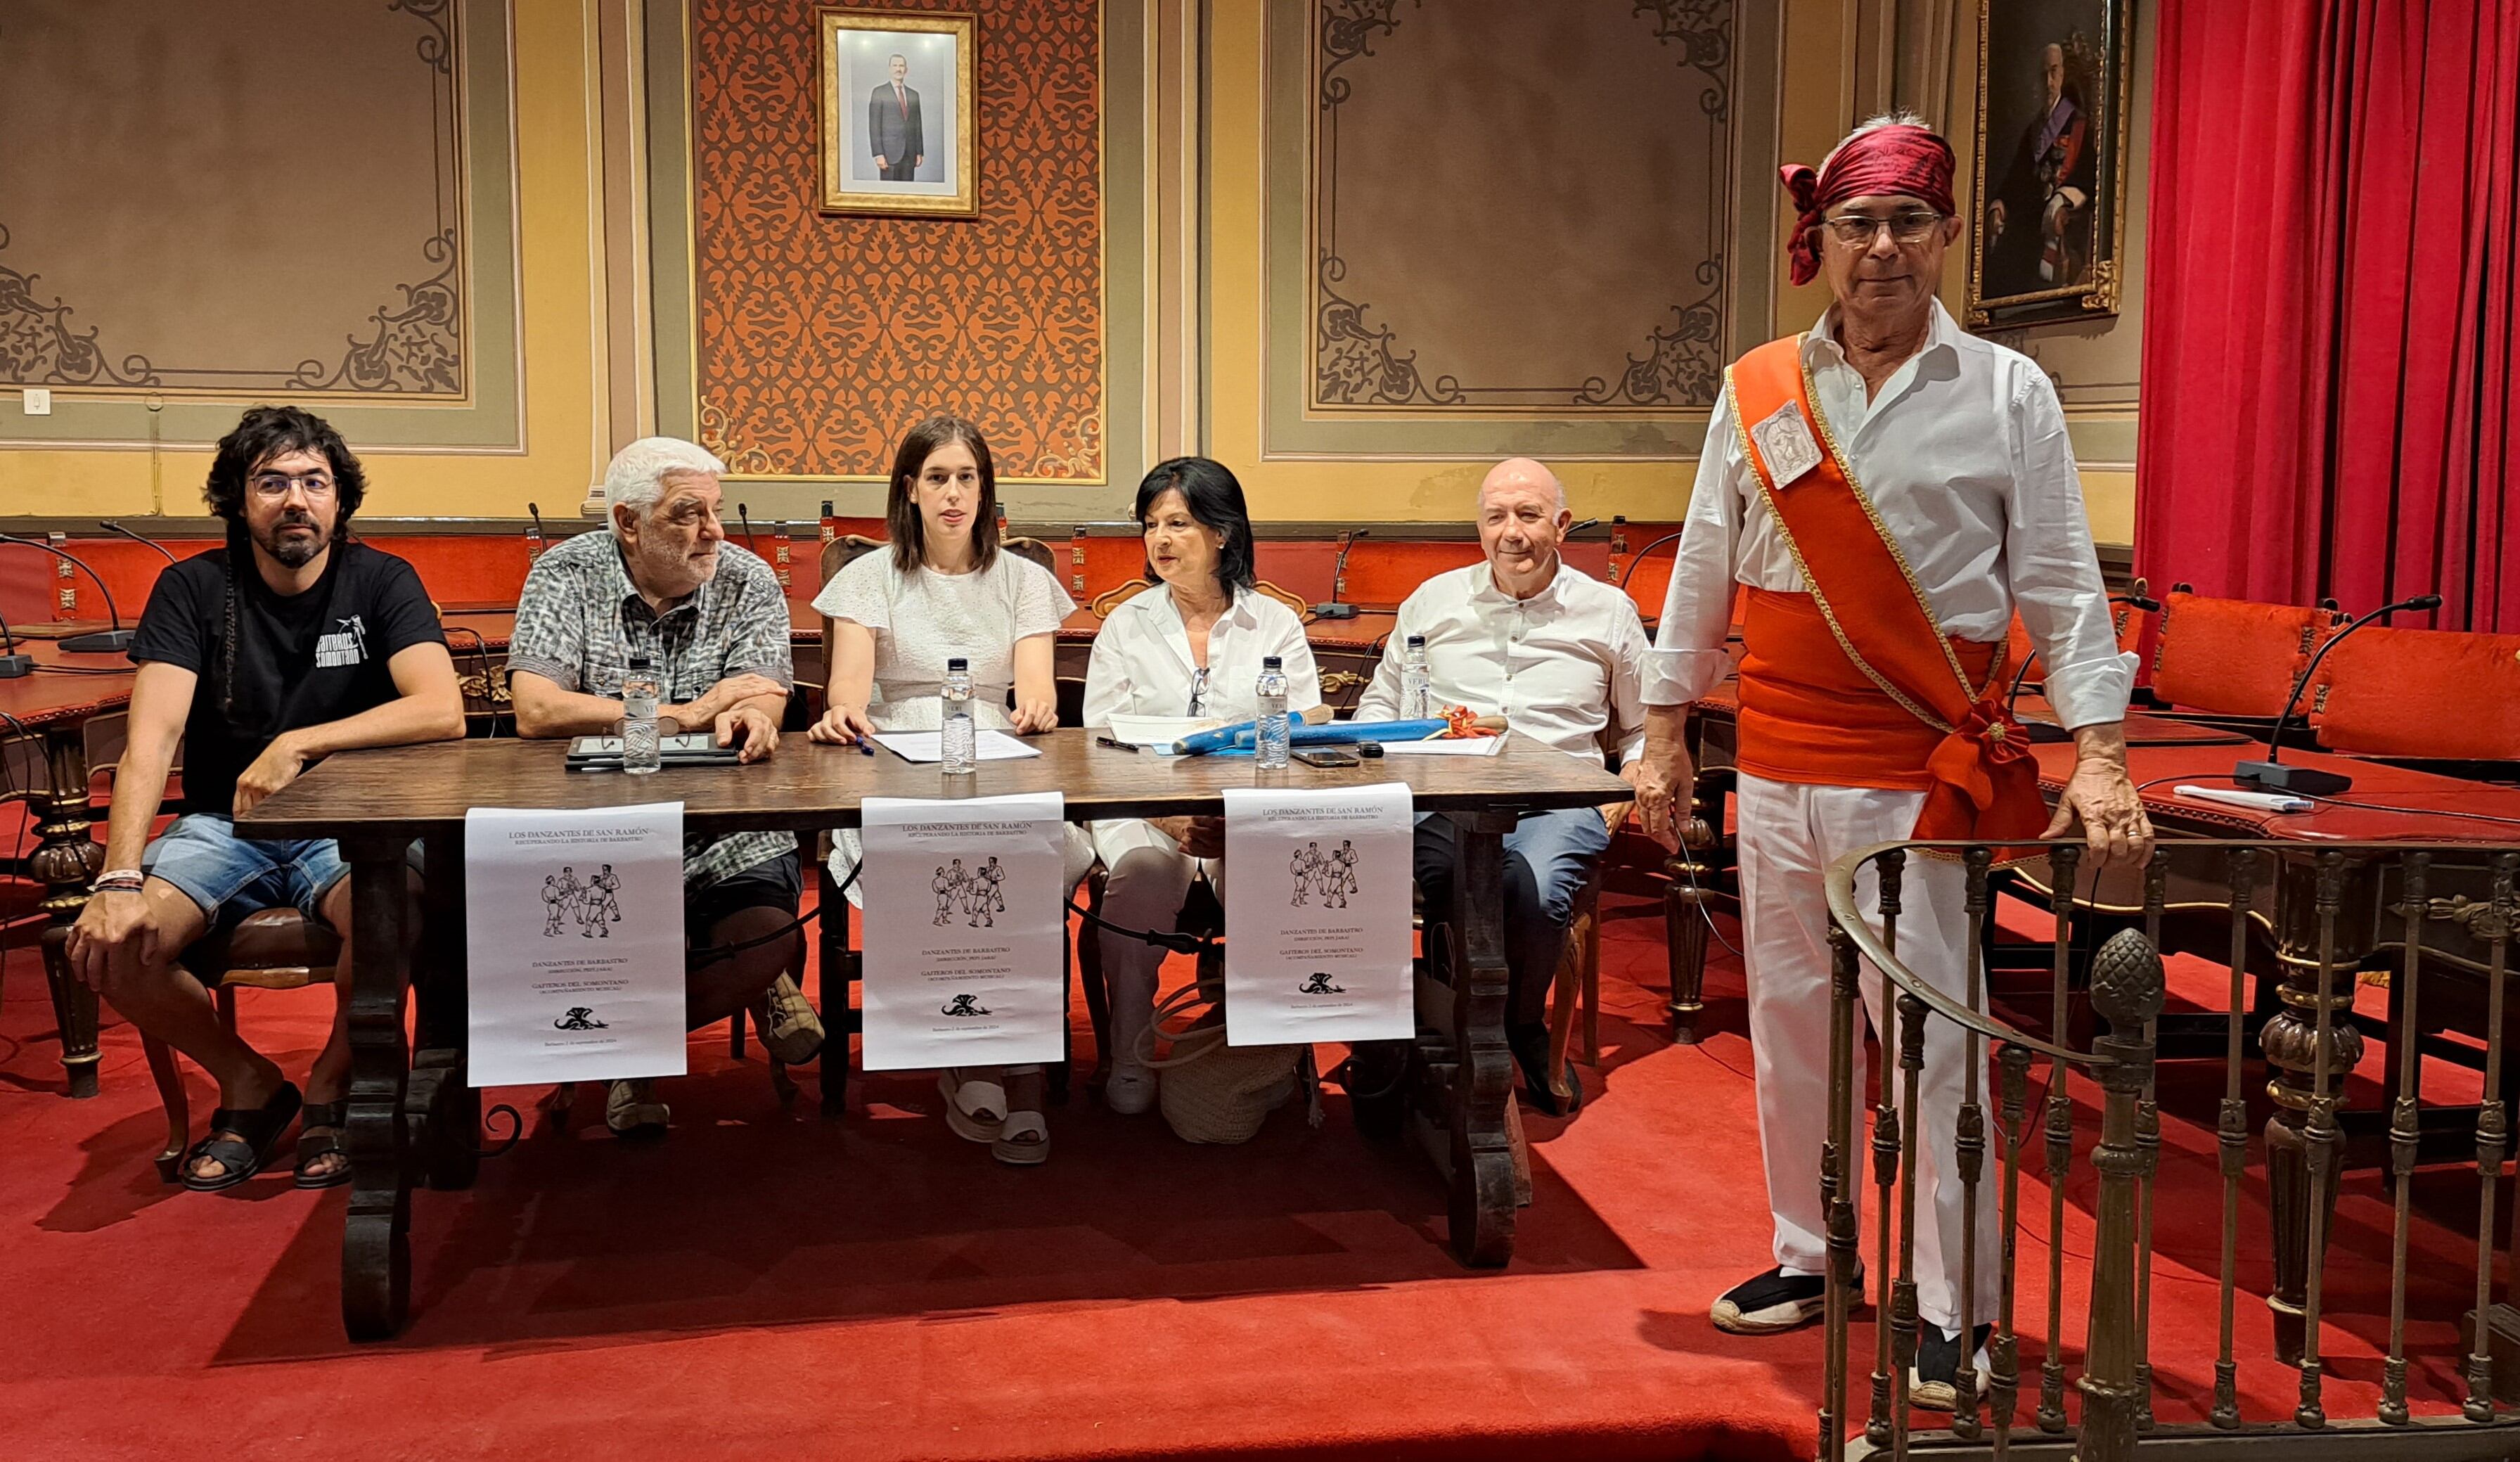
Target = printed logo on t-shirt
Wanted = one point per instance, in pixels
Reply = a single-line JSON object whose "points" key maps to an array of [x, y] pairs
{"points": [[344, 646]]}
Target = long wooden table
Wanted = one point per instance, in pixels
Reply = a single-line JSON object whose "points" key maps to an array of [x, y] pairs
{"points": [[55, 726], [413, 1116]]}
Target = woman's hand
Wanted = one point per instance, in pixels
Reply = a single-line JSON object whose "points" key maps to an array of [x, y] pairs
{"points": [[1032, 718], [841, 727]]}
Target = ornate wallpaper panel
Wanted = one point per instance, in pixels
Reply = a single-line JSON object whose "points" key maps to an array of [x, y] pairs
{"points": [[1520, 206], [821, 339], [204, 211]]}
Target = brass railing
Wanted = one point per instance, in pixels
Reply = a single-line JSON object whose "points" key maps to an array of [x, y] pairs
{"points": [[2309, 920]]}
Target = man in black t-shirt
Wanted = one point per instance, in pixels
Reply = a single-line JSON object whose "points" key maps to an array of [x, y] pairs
{"points": [[292, 642]]}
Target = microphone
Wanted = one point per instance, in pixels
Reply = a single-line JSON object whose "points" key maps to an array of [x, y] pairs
{"points": [[1338, 582], [112, 526], [2305, 781], [12, 663], [542, 543], [744, 514], [1573, 529], [111, 641]]}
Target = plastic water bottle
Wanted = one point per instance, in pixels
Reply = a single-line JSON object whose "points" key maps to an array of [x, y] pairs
{"points": [[638, 754], [960, 741], [1416, 683], [1274, 736]]}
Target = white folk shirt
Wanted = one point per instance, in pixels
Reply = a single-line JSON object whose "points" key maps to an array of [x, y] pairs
{"points": [[1559, 666], [1141, 663], [1964, 455]]}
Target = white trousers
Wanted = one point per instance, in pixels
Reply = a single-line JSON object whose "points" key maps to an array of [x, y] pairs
{"points": [[1146, 876], [1789, 835]]}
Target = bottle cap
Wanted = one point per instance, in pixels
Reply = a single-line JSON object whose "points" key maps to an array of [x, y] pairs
{"points": [[1271, 662], [957, 662], [640, 660], [1416, 642]]}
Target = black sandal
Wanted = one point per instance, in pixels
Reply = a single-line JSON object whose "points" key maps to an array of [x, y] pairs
{"points": [[311, 1148], [257, 1131]]}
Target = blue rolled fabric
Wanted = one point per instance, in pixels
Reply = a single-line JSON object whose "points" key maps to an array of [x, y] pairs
{"points": [[1330, 733]]}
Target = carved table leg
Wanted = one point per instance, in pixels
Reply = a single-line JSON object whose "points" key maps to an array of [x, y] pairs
{"points": [[1482, 1151], [449, 1109], [2327, 905], [65, 860], [376, 1243]]}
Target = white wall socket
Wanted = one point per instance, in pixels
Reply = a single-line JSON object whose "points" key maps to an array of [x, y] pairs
{"points": [[39, 401]]}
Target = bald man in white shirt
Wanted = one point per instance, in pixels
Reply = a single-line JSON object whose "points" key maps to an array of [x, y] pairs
{"points": [[1889, 489], [1561, 655]]}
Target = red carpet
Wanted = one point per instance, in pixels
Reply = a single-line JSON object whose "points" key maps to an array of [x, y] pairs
{"points": [[765, 1281]]}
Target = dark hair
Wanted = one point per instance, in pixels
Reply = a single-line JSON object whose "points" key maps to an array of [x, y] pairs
{"points": [[268, 432], [265, 432], [901, 506], [1215, 500]]}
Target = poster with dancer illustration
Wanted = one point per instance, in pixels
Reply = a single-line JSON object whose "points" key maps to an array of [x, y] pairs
{"points": [[575, 935], [1317, 915], [965, 922]]}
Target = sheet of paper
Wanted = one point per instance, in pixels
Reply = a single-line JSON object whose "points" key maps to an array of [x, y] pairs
{"points": [[575, 933], [1159, 730], [930, 746], [1317, 904], [1469, 745], [965, 931]]}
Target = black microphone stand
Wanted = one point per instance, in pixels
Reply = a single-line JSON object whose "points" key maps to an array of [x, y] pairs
{"points": [[12, 663], [2271, 774], [542, 544], [744, 514], [111, 641], [112, 526], [1335, 609]]}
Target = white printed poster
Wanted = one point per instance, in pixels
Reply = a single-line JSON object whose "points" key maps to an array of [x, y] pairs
{"points": [[575, 935], [1317, 915], [965, 922]]}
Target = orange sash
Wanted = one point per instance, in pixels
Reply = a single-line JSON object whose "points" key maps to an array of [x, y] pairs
{"points": [[1911, 715]]}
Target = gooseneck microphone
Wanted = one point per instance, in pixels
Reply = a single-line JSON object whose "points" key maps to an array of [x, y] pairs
{"points": [[542, 541], [2305, 781], [111, 641], [12, 663], [744, 514], [112, 526], [1335, 609], [1573, 529]]}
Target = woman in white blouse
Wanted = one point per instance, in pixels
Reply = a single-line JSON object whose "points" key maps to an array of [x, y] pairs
{"points": [[945, 591], [1192, 646]]}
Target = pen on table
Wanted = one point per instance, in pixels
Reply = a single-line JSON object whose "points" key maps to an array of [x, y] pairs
{"points": [[1115, 742]]}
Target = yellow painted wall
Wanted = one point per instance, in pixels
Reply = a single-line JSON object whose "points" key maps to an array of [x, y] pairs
{"points": [[559, 302], [1819, 103]]}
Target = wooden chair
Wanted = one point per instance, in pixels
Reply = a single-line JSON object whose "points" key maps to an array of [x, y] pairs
{"points": [[2230, 661], [275, 949]]}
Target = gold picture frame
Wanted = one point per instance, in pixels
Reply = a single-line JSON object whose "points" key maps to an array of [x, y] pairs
{"points": [[890, 87], [2051, 145]]}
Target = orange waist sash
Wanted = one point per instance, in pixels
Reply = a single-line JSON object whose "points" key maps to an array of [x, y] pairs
{"points": [[1809, 715]]}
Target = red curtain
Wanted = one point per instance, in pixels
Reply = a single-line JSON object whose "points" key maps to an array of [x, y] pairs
{"points": [[2330, 402]]}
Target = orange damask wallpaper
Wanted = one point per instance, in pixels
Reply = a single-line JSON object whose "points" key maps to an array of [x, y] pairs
{"points": [[821, 339]]}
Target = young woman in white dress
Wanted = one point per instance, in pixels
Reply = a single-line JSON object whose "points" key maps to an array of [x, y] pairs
{"points": [[945, 590], [1192, 645]]}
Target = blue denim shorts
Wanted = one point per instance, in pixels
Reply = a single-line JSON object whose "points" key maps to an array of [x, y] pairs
{"points": [[231, 877]]}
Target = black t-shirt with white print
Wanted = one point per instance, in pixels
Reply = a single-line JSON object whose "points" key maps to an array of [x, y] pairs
{"points": [[301, 660]]}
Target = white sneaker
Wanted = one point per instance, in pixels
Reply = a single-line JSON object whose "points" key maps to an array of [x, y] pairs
{"points": [[632, 1110], [1131, 1091], [790, 1027]]}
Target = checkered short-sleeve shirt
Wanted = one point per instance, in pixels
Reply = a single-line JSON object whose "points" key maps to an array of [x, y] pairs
{"points": [[581, 619]]}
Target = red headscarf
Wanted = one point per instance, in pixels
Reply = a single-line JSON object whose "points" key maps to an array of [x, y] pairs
{"points": [[1880, 159]]}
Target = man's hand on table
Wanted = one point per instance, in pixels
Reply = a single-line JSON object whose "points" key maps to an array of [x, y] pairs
{"points": [[2102, 797], [277, 768], [714, 702], [751, 725]]}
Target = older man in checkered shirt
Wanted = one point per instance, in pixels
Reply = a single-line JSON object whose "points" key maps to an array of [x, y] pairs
{"points": [[712, 620]]}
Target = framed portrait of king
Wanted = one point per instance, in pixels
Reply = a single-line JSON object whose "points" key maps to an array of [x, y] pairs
{"points": [[2052, 93], [896, 112]]}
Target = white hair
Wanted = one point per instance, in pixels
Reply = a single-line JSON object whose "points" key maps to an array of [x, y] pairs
{"points": [[637, 476]]}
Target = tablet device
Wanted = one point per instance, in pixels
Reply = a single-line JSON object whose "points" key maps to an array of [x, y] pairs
{"points": [[688, 748]]}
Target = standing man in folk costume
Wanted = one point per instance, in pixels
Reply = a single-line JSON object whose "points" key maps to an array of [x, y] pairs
{"points": [[1890, 490]]}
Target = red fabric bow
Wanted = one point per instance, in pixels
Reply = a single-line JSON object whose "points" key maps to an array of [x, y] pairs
{"points": [[1986, 782], [1913, 161]]}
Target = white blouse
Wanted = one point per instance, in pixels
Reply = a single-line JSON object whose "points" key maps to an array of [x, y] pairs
{"points": [[921, 619], [1142, 664]]}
